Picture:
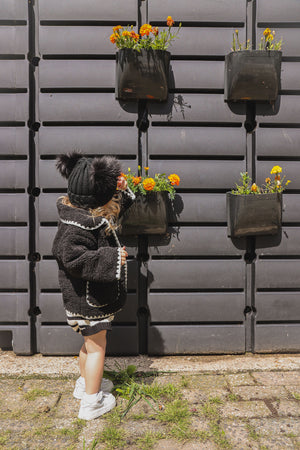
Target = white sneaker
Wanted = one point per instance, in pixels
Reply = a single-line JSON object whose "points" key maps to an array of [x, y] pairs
{"points": [[106, 386], [100, 404]]}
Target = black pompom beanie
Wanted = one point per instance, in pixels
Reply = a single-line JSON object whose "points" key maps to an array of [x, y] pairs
{"points": [[92, 182]]}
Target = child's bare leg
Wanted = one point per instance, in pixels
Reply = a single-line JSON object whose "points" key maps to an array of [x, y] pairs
{"points": [[94, 365], [82, 360]]}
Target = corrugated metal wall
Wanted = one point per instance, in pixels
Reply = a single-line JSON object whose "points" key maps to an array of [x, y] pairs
{"points": [[195, 290]]}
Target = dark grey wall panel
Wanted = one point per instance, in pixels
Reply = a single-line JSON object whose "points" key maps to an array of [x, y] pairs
{"points": [[287, 11], [289, 111], [13, 74], [287, 243], [176, 339], [14, 107], [13, 141], [290, 75], [278, 274], [272, 306], [196, 307], [14, 275], [195, 108], [13, 174], [291, 210], [206, 10], [13, 40], [20, 337], [47, 211], [195, 274], [92, 140], [13, 9], [201, 174], [50, 177], [84, 74], [200, 207], [197, 241], [277, 338], [87, 10], [13, 208], [202, 141], [198, 74], [14, 307], [271, 141], [14, 241], [82, 107]]}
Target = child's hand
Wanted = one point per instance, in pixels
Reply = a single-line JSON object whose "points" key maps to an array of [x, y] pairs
{"points": [[124, 255], [122, 183]]}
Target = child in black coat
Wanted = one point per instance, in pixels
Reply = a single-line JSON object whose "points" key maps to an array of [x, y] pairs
{"points": [[92, 266]]}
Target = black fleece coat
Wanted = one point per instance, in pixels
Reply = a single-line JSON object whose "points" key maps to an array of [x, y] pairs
{"points": [[92, 280]]}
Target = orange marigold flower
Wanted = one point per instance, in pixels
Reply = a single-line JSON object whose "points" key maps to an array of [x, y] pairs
{"points": [[254, 187], [118, 27], [148, 184], [126, 33], [123, 175], [174, 179], [136, 180], [113, 38], [277, 177], [170, 21], [268, 180], [155, 31], [145, 29], [134, 35]]}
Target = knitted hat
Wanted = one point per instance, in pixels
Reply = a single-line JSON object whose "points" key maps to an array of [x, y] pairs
{"points": [[92, 182]]}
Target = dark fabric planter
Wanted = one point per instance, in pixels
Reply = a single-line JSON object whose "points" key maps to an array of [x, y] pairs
{"points": [[250, 215], [148, 215], [142, 75], [252, 75]]}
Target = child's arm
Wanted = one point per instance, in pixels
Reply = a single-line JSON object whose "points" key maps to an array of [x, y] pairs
{"points": [[127, 196], [81, 258]]}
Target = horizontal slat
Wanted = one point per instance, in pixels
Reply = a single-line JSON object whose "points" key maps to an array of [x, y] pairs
{"points": [[48, 274], [291, 209], [201, 174], [278, 274], [286, 110], [286, 243], [14, 274], [273, 306], [197, 241], [14, 107], [290, 169], [290, 75], [200, 207], [14, 307], [82, 107], [87, 10], [13, 40], [91, 140], [14, 74], [62, 340], [14, 241], [13, 9], [195, 274], [277, 338], [195, 108], [202, 141], [174, 340], [76, 40], [77, 74], [289, 36], [198, 74], [13, 208], [196, 307], [278, 142], [13, 174], [206, 10], [51, 178], [287, 11], [13, 141], [51, 306]]}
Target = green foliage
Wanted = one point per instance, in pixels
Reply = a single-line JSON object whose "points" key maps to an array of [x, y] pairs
{"points": [[33, 394], [277, 185]]}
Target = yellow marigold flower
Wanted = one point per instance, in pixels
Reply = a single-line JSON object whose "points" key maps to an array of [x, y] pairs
{"points": [[267, 32], [288, 181], [270, 37], [136, 180], [174, 179], [113, 38], [268, 180], [118, 27], [145, 29], [126, 33], [170, 21], [254, 187], [148, 184], [276, 169]]}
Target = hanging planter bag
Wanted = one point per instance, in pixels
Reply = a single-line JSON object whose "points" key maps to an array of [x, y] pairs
{"points": [[142, 75], [250, 215], [147, 215], [252, 75]]}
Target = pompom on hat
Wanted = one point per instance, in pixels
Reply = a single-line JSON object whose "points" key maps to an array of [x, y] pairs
{"points": [[92, 182]]}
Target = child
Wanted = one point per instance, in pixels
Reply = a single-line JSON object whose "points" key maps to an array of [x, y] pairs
{"points": [[92, 266]]}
